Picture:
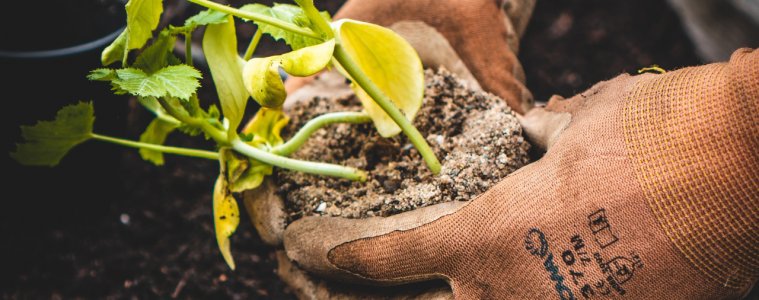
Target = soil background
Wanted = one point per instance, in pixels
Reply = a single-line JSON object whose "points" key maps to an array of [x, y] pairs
{"points": [[104, 224]]}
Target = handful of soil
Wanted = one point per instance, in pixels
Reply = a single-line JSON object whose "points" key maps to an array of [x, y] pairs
{"points": [[475, 135]]}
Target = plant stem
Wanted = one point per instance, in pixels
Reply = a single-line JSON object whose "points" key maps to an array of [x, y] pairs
{"points": [[217, 135], [313, 14], [297, 165], [188, 48], [160, 148], [315, 124], [259, 18], [253, 45], [370, 88]]}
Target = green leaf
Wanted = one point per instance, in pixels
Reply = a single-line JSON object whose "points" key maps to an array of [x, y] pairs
{"points": [[142, 18], [157, 56], [261, 75], [155, 134], [48, 141], [226, 215], [288, 13], [115, 51], [102, 75], [206, 17], [178, 81], [391, 63], [213, 112], [220, 48]]}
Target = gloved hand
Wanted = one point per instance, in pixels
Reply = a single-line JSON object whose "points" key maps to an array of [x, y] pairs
{"points": [[649, 190]]}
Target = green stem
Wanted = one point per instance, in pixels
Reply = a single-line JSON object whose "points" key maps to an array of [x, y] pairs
{"points": [[297, 165], [217, 135], [160, 148], [313, 14], [315, 124], [259, 18], [370, 88], [188, 48], [253, 45], [168, 119]]}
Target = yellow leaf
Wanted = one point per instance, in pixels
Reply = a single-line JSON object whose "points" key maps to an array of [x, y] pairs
{"points": [[390, 62], [261, 75], [267, 125], [220, 48], [226, 215], [142, 18]]}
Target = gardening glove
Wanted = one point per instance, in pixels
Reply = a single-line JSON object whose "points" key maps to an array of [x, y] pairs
{"points": [[477, 40], [648, 190]]}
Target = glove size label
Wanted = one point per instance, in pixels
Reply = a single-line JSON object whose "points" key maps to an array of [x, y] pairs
{"points": [[583, 266]]}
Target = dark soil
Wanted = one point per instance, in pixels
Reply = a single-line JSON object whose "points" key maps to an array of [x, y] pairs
{"points": [[476, 137], [61, 228]]}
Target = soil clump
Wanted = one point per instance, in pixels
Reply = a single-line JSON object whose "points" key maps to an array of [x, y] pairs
{"points": [[476, 137]]}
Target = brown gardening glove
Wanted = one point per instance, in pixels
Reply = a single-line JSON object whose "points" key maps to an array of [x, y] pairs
{"points": [[477, 40], [649, 190]]}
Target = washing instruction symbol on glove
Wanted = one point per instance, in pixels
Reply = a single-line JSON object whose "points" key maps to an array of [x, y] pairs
{"points": [[623, 268], [601, 229]]}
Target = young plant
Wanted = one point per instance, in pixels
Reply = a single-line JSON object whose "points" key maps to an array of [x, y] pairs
{"points": [[385, 72]]}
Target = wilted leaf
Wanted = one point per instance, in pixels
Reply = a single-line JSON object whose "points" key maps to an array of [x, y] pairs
{"points": [[226, 216], [391, 63], [266, 125], [220, 48], [261, 75], [48, 141]]}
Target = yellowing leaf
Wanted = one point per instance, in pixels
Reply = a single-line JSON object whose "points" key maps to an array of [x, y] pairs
{"points": [[226, 215], [142, 18], [267, 125], [261, 75], [220, 48], [391, 63], [155, 134], [245, 173]]}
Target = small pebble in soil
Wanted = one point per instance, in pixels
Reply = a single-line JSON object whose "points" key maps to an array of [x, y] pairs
{"points": [[476, 137], [124, 218]]}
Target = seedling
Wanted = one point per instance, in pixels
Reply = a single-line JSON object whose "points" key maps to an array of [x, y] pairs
{"points": [[385, 72]]}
